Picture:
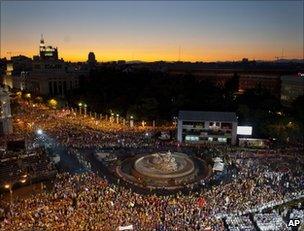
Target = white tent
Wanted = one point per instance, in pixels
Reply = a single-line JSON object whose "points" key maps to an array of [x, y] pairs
{"points": [[217, 159], [218, 166]]}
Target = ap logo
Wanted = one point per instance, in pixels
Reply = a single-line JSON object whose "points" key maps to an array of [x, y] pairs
{"points": [[294, 222]]}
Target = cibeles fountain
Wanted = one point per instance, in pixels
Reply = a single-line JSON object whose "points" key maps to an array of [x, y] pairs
{"points": [[163, 170]]}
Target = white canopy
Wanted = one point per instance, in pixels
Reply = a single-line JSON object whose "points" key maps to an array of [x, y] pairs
{"points": [[218, 166], [217, 159]]}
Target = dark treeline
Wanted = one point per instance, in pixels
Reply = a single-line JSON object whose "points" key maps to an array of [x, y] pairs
{"points": [[150, 95]]}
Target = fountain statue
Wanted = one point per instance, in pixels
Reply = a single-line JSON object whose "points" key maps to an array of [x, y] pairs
{"points": [[164, 162]]}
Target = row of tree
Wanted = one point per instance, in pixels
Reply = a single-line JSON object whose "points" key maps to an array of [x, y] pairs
{"points": [[150, 95]]}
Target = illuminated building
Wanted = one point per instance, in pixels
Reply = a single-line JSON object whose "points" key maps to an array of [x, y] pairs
{"points": [[14, 81], [44, 75], [47, 52], [207, 126], [51, 76], [5, 113]]}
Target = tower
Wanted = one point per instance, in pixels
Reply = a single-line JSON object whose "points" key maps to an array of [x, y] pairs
{"points": [[91, 59], [47, 52], [42, 46]]}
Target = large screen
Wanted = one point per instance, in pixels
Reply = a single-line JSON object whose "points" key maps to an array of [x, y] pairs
{"points": [[244, 130]]}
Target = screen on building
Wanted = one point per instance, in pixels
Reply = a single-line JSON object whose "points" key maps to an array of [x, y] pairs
{"points": [[244, 130], [192, 138]]}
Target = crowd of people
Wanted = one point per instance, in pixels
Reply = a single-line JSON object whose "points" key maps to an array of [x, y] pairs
{"points": [[88, 201]]}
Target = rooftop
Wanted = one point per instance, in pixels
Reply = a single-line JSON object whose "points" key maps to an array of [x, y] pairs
{"points": [[207, 116]]}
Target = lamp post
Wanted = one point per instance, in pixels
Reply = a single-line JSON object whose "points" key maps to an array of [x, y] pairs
{"points": [[117, 118], [85, 109], [80, 105], [131, 122], [9, 186], [112, 118], [143, 123]]}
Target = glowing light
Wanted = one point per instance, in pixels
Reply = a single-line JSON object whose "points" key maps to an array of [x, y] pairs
{"points": [[53, 103], [7, 186], [244, 130], [39, 131]]}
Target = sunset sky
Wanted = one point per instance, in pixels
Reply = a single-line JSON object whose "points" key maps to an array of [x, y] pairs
{"points": [[148, 31]]}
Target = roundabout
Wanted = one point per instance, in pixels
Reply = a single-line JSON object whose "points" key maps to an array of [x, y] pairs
{"points": [[163, 170]]}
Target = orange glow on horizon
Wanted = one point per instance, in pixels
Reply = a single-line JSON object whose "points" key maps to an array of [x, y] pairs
{"points": [[169, 57]]}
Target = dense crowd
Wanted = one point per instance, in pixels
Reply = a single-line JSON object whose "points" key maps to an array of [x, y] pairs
{"points": [[88, 201]]}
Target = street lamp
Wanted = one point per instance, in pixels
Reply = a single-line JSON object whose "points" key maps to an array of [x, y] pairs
{"points": [[117, 118], [10, 187], [39, 131], [80, 105], [85, 109], [111, 117], [131, 121]]}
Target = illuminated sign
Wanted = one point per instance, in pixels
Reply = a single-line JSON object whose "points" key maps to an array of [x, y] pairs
{"points": [[244, 130], [192, 138], [48, 54]]}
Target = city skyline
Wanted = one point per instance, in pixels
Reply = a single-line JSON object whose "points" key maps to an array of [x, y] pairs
{"points": [[151, 31]]}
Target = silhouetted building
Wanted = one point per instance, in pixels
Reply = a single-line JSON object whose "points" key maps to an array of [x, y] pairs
{"points": [[91, 58], [48, 75], [291, 88], [21, 63], [270, 83]]}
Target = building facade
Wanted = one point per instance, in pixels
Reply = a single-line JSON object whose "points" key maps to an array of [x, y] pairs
{"points": [[52, 77], [5, 113], [291, 88], [48, 76], [270, 83], [207, 126]]}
